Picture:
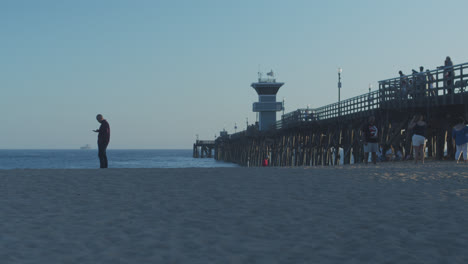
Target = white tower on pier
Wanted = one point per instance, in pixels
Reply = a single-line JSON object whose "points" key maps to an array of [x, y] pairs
{"points": [[267, 88]]}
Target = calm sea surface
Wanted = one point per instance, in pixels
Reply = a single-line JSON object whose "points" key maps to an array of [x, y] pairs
{"points": [[88, 159]]}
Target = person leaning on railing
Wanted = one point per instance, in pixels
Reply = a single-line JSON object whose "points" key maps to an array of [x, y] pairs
{"points": [[411, 87], [448, 74], [403, 85], [421, 81], [415, 85], [430, 83]]}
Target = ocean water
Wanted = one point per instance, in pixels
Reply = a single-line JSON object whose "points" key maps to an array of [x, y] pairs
{"points": [[88, 159]]}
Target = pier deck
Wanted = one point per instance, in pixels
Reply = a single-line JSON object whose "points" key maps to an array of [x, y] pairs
{"points": [[307, 137]]}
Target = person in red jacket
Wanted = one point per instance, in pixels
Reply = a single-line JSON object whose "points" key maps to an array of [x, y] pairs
{"points": [[103, 140]]}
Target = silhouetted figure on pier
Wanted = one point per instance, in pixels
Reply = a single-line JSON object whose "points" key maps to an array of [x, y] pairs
{"points": [[403, 85], [418, 127], [414, 89], [103, 140], [448, 75], [430, 83], [370, 138], [421, 82]]}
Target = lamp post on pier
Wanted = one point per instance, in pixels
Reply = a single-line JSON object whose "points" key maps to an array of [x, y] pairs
{"points": [[339, 88], [369, 98], [283, 108]]}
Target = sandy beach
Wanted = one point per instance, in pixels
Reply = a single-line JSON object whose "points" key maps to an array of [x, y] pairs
{"points": [[388, 213]]}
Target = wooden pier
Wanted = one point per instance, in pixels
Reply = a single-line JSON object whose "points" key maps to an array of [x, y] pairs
{"points": [[310, 137], [203, 148]]}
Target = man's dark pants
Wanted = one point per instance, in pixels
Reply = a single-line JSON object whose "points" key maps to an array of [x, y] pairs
{"points": [[102, 154]]}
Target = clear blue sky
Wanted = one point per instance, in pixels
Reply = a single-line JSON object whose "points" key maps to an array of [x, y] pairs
{"points": [[163, 71]]}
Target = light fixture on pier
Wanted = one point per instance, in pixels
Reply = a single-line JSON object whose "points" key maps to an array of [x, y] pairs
{"points": [[283, 105], [340, 70]]}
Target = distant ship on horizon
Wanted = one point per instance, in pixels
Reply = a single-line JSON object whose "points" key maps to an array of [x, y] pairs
{"points": [[87, 146]]}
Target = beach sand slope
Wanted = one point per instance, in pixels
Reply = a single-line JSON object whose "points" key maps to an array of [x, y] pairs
{"points": [[389, 213]]}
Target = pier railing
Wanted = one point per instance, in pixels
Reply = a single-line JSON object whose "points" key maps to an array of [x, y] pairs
{"points": [[438, 87], [205, 142], [448, 85], [418, 89], [350, 108]]}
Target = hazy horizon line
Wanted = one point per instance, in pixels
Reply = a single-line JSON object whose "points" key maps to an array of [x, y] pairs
{"points": [[95, 149]]}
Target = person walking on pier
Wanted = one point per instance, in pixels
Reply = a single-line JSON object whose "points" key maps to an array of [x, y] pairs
{"points": [[370, 137], [418, 125], [103, 140], [459, 133]]}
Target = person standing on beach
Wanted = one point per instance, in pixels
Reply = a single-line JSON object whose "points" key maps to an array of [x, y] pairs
{"points": [[370, 139], [459, 139], [103, 140], [418, 125]]}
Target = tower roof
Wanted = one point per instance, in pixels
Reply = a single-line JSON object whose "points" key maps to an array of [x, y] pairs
{"points": [[266, 88]]}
